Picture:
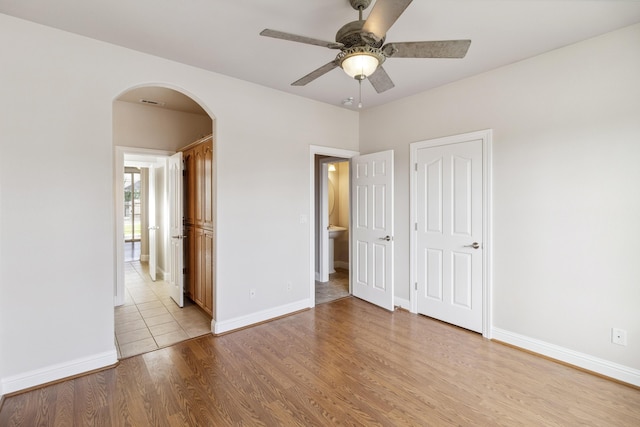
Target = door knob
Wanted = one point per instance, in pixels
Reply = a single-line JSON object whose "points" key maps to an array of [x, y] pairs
{"points": [[474, 245], [387, 238]]}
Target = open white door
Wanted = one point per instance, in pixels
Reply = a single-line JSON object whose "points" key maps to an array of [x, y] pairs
{"points": [[151, 210], [372, 228], [176, 277], [449, 230]]}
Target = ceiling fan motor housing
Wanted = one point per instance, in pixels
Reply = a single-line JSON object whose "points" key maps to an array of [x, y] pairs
{"points": [[351, 35]]}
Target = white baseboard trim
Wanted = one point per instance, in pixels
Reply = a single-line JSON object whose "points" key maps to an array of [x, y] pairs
{"points": [[261, 316], [341, 264], [317, 276], [57, 372], [575, 358], [144, 258], [401, 302], [161, 274]]}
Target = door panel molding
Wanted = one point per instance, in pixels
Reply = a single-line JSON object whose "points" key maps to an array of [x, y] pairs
{"points": [[434, 216]]}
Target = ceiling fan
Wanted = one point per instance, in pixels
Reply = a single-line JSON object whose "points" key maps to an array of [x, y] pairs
{"points": [[362, 48]]}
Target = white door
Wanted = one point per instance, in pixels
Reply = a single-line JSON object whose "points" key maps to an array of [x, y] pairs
{"points": [[372, 228], [449, 233], [151, 210], [176, 276]]}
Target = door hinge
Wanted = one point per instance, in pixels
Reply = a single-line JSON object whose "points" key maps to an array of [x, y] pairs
{"points": [[416, 167], [415, 226], [416, 287], [184, 271]]}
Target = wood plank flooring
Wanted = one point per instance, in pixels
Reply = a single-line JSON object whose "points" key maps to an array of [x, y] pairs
{"points": [[341, 363]]}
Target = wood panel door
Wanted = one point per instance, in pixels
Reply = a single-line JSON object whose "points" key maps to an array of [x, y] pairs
{"points": [[190, 187], [208, 185]]}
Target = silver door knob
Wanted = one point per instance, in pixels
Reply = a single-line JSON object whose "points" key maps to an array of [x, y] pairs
{"points": [[387, 238], [474, 245]]}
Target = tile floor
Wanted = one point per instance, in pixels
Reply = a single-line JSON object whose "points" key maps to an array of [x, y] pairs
{"points": [[337, 287], [149, 318]]}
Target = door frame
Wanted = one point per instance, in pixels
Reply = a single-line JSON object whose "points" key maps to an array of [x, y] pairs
{"points": [[487, 218], [142, 155], [321, 151]]}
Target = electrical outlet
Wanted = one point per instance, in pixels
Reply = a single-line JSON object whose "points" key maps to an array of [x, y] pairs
{"points": [[618, 336], [252, 292]]}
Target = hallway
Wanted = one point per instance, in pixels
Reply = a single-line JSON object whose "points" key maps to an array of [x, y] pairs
{"points": [[149, 318]]}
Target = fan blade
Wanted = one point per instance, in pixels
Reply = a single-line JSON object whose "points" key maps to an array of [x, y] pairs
{"points": [[383, 15], [380, 80], [315, 74], [431, 49], [300, 39]]}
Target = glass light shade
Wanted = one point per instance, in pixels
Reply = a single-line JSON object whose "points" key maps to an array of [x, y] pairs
{"points": [[360, 64]]}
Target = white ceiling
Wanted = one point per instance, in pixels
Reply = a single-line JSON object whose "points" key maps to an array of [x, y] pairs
{"points": [[222, 35]]}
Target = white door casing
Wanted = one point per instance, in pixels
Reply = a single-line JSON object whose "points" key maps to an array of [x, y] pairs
{"points": [[176, 232], [323, 243], [450, 230], [314, 235], [372, 228]]}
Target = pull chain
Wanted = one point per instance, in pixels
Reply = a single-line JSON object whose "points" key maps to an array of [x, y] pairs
{"points": [[360, 90]]}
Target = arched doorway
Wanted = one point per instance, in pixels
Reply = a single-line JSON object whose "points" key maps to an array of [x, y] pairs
{"points": [[150, 123]]}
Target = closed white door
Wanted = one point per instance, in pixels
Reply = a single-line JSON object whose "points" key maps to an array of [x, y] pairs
{"points": [[176, 277], [372, 228], [151, 210], [449, 232]]}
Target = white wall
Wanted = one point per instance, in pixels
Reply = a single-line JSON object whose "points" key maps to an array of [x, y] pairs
{"points": [[566, 189], [57, 265]]}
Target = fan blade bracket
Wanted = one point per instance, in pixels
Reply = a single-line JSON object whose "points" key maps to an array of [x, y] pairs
{"points": [[427, 49], [300, 39]]}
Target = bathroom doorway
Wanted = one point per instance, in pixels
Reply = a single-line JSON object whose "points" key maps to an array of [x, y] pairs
{"points": [[331, 223]]}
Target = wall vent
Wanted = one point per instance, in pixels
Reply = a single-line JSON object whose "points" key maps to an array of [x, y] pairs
{"points": [[151, 102]]}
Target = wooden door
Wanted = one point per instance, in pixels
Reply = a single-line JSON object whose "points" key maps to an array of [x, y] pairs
{"points": [[190, 189], [208, 185]]}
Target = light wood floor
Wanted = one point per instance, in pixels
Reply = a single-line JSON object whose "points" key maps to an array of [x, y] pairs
{"points": [[341, 363]]}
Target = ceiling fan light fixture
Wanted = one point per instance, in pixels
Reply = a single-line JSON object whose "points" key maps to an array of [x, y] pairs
{"points": [[359, 62]]}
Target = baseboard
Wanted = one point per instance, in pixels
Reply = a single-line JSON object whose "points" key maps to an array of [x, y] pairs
{"points": [[161, 274], [57, 372], [402, 303], [571, 357], [341, 264], [317, 276], [261, 316], [144, 258]]}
